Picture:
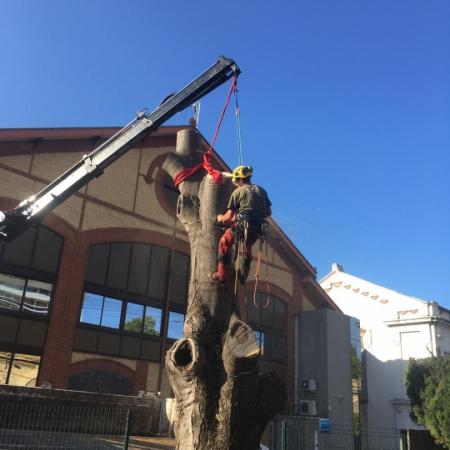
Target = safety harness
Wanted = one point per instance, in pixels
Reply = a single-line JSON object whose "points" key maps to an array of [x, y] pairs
{"points": [[257, 226]]}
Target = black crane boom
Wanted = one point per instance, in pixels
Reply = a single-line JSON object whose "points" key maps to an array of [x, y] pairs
{"points": [[30, 211]]}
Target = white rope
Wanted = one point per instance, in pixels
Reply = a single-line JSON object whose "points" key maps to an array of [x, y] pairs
{"points": [[238, 129]]}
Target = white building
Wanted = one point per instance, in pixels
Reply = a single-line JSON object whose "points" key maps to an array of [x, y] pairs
{"points": [[394, 328]]}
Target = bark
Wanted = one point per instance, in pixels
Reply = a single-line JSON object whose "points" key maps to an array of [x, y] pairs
{"points": [[222, 401]]}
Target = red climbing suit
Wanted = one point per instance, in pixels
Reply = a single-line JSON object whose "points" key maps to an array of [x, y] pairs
{"points": [[225, 248]]}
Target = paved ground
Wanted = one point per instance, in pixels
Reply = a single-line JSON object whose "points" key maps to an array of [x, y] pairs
{"points": [[151, 443], [33, 440]]}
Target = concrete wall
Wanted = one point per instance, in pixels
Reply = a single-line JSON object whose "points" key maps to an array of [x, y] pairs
{"points": [[35, 408], [324, 353]]}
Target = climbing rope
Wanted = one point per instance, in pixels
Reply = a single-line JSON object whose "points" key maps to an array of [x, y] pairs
{"points": [[237, 114], [236, 264], [267, 280]]}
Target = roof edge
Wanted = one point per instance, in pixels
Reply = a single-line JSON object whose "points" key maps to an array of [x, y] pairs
{"points": [[71, 133], [68, 133]]}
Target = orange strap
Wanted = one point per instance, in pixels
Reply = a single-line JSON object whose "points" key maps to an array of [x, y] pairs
{"points": [[258, 267]]}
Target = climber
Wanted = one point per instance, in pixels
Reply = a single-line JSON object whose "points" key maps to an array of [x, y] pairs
{"points": [[245, 218]]}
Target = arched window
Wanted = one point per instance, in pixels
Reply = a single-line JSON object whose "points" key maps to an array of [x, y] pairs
{"points": [[28, 271], [125, 296], [269, 321], [103, 381]]}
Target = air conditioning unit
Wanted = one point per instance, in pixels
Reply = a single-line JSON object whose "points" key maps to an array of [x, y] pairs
{"points": [[308, 408], [308, 385]]}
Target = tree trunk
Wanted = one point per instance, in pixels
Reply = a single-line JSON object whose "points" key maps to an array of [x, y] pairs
{"points": [[222, 402]]}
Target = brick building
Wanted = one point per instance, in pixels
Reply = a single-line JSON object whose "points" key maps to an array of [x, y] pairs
{"points": [[93, 297]]}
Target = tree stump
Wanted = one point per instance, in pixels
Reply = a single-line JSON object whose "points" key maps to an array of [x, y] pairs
{"points": [[222, 401]]}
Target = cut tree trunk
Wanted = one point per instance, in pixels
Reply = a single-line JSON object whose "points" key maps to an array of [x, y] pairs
{"points": [[222, 401]]}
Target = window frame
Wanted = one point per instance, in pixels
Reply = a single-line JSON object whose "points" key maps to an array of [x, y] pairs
{"points": [[28, 314], [29, 270], [170, 339], [30, 273], [11, 360], [126, 296], [269, 331], [120, 331]]}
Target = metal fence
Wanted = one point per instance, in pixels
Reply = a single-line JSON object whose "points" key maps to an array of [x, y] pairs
{"points": [[296, 433], [33, 426]]}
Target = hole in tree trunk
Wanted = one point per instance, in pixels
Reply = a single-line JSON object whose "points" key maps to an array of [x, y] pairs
{"points": [[183, 355]]}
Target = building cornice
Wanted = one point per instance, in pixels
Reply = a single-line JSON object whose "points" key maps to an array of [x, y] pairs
{"points": [[416, 321]]}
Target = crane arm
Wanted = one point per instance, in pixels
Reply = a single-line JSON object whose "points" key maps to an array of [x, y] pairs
{"points": [[30, 211]]}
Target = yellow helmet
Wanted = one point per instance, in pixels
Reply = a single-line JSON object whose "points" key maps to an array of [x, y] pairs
{"points": [[242, 172]]}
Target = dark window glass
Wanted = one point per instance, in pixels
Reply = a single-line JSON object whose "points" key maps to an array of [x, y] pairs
{"points": [[151, 350], [8, 328], [104, 382], [179, 278], [97, 264], [279, 368], [32, 333], [271, 315], [37, 248], [11, 291], [91, 311], [112, 309], [37, 297], [130, 347], [268, 345], [134, 318], [139, 269], [267, 312], [158, 273], [108, 343], [175, 329], [253, 311], [47, 251], [135, 268], [19, 251], [279, 347], [270, 321], [152, 322], [86, 340], [118, 266], [280, 314]]}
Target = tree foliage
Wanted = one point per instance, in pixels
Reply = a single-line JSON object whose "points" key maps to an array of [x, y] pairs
{"points": [[356, 365], [428, 388], [148, 325]]}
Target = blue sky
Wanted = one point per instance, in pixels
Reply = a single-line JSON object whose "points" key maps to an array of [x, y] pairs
{"points": [[345, 108]]}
